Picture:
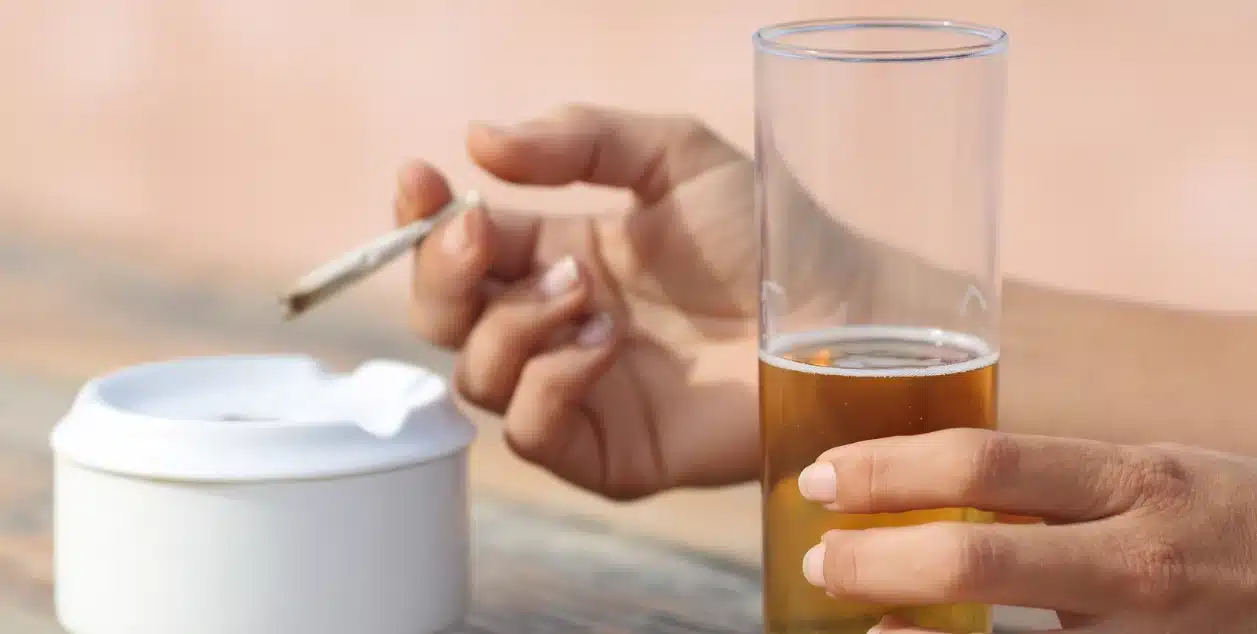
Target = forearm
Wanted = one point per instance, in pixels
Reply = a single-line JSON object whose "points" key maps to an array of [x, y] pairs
{"points": [[1076, 365], [1092, 367], [1080, 365]]}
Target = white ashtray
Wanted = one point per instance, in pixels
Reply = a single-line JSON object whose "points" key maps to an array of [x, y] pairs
{"points": [[262, 495]]}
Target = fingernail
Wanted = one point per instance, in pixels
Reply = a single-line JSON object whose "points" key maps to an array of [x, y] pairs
{"points": [[596, 331], [560, 278], [818, 482], [458, 236], [814, 566]]}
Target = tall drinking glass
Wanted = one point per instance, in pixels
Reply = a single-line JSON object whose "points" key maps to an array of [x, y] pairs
{"points": [[878, 156]]}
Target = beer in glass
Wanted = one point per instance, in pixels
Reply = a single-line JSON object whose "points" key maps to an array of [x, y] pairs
{"points": [[877, 151]]}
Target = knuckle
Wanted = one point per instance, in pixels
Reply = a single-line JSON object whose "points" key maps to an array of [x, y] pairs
{"points": [[690, 131], [987, 459], [435, 331], [537, 415], [972, 560], [689, 136], [551, 389], [1156, 572], [473, 387], [486, 371], [862, 474], [527, 446], [1158, 479]]}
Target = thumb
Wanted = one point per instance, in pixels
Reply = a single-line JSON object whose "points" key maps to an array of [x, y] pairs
{"points": [[648, 154]]}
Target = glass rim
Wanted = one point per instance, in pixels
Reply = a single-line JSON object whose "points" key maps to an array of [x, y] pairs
{"points": [[768, 40]]}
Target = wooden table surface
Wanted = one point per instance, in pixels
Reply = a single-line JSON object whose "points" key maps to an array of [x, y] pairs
{"points": [[546, 557], [533, 571]]}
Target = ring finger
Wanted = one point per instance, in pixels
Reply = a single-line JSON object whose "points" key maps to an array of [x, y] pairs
{"points": [[521, 321]]}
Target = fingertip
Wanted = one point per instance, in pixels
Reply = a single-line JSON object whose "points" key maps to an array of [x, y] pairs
{"points": [[485, 130], [561, 277], [448, 273], [509, 153], [409, 173], [421, 191], [814, 565], [584, 357], [417, 175], [487, 143], [818, 482], [597, 353], [598, 330], [467, 242], [488, 149]]}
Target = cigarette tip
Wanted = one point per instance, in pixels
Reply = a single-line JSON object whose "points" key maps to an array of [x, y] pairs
{"points": [[473, 198], [292, 306]]}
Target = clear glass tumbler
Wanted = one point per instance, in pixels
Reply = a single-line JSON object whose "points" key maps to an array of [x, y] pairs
{"points": [[878, 150]]}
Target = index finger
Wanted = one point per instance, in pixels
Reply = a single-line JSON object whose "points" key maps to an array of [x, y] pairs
{"points": [[422, 191], [1059, 478], [646, 153]]}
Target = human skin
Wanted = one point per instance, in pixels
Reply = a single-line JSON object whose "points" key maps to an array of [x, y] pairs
{"points": [[674, 281], [620, 351]]}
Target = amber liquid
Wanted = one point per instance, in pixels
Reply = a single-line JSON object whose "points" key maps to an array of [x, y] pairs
{"points": [[825, 389]]}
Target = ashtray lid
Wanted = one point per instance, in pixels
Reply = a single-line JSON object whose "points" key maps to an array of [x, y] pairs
{"points": [[255, 418]]}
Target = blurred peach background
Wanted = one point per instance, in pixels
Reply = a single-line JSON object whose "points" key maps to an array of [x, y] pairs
{"points": [[192, 133]]}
